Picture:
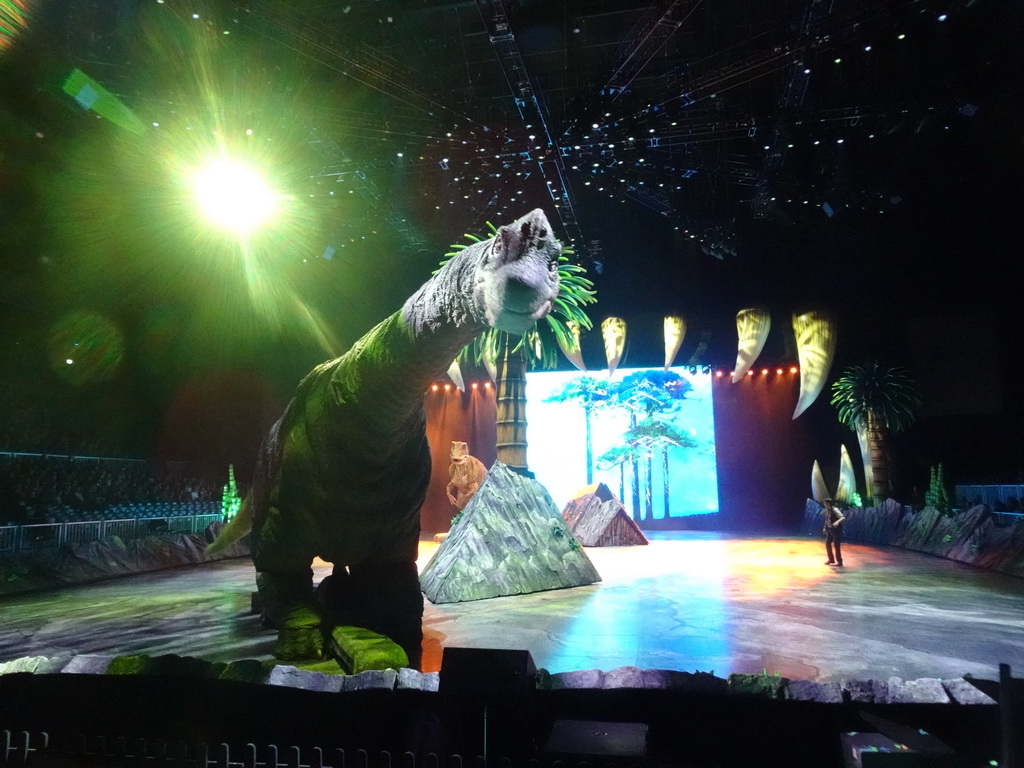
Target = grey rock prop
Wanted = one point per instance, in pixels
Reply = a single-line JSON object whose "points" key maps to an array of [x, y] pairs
{"points": [[969, 536], [927, 690], [414, 680], [894, 690], [691, 682], [809, 690], [510, 540], [624, 677], [583, 678], [88, 664], [963, 692], [372, 679], [597, 518], [292, 677], [33, 665], [866, 691], [90, 561]]}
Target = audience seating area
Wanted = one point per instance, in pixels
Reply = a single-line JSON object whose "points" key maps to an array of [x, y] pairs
{"points": [[47, 501], [999, 498], [46, 488], [150, 509]]}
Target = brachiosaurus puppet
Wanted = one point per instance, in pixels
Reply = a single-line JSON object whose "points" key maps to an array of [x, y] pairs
{"points": [[343, 473]]}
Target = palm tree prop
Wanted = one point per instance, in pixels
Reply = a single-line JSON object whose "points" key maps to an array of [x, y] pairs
{"points": [[874, 401], [537, 347], [590, 393]]}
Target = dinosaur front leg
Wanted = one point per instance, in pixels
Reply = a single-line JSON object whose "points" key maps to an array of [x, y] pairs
{"points": [[285, 583], [288, 605], [382, 597], [388, 600]]}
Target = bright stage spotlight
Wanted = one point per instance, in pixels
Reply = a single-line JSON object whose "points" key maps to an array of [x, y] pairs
{"points": [[234, 196]]}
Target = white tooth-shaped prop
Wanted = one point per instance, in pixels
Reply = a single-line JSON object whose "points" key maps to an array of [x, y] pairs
{"points": [[675, 332], [538, 346], [613, 331], [819, 491], [752, 326], [847, 480], [487, 358], [815, 346], [455, 374], [572, 349]]}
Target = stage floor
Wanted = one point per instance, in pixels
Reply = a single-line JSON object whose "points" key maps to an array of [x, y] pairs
{"points": [[688, 601]]}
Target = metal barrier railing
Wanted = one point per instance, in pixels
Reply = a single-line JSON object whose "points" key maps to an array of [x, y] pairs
{"points": [[80, 533], [28, 748], [8, 538], [1006, 519], [989, 494], [45, 536]]}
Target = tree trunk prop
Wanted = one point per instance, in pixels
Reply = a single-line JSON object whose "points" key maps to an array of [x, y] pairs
{"points": [[590, 445], [634, 464], [511, 409], [865, 458], [877, 444], [649, 488], [664, 474]]}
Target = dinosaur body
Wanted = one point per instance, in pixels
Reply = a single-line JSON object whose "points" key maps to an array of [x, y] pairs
{"points": [[466, 473], [343, 473]]}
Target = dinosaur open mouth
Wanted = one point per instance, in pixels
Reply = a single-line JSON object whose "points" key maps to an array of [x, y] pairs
{"points": [[519, 321], [527, 313]]}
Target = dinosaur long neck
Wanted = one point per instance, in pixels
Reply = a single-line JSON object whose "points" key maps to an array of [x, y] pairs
{"points": [[398, 359], [449, 302]]}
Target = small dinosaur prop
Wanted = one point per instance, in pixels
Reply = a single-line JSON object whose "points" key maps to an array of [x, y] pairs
{"points": [[467, 474], [343, 473]]}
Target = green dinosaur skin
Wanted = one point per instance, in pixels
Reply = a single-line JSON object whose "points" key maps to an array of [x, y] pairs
{"points": [[343, 473]]}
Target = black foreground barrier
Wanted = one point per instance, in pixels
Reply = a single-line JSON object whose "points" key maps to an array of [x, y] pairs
{"points": [[56, 719]]}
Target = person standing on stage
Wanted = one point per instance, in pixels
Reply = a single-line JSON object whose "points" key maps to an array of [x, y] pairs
{"points": [[833, 531]]}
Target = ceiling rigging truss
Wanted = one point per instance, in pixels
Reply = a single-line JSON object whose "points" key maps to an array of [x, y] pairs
{"points": [[648, 38], [533, 112]]}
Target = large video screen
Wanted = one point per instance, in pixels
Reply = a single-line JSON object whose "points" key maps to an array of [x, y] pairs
{"points": [[655, 426]]}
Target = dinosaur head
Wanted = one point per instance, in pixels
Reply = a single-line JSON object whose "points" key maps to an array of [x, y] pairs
{"points": [[519, 280]]}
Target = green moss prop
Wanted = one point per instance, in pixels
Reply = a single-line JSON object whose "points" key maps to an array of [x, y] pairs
{"points": [[359, 650]]}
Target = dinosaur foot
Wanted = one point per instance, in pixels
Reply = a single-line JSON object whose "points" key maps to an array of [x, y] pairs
{"points": [[300, 636], [358, 650], [384, 601]]}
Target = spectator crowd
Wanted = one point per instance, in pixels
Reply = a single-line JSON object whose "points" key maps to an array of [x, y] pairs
{"points": [[51, 463], [34, 487]]}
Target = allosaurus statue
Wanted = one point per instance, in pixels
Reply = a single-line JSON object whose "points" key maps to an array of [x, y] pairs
{"points": [[343, 473], [467, 474]]}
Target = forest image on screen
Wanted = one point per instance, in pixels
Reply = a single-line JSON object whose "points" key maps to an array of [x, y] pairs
{"points": [[648, 429]]}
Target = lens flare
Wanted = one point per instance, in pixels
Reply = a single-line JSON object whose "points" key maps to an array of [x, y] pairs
{"points": [[86, 348], [14, 16], [234, 196]]}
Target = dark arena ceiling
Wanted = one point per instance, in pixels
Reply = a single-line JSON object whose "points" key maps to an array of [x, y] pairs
{"points": [[699, 156]]}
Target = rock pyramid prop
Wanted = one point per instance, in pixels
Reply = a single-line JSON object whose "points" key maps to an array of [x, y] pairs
{"points": [[597, 518], [509, 540]]}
